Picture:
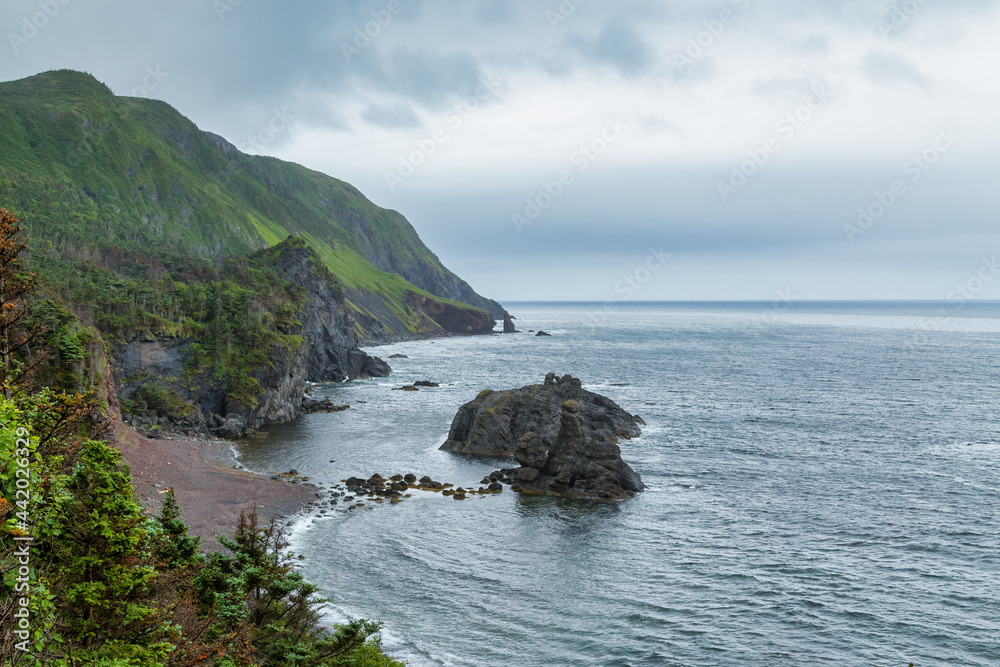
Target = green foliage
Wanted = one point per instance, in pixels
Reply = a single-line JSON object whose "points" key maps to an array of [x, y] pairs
{"points": [[65, 334], [113, 588], [257, 586], [171, 544], [90, 172], [98, 540], [163, 400], [238, 313]]}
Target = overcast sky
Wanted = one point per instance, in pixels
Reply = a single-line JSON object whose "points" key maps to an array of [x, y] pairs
{"points": [[561, 150]]}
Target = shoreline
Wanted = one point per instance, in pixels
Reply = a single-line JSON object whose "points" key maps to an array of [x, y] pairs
{"points": [[210, 488]]}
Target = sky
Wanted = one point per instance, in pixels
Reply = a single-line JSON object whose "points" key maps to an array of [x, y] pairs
{"points": [[596, 150]]}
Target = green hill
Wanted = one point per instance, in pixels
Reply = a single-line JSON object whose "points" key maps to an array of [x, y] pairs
{"points": [[95, 176]]}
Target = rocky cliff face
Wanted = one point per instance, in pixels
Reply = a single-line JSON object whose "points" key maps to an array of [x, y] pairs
{"points": [[328, 352], [133, 174], [579, 463], [452, 318], [331, 343], [495, 421]]}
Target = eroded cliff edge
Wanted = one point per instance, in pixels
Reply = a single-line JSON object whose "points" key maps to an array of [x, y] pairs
{"points": [[168, 382]]}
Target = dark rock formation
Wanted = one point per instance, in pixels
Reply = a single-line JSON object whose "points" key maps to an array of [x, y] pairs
{"points": [[452, 318], [398, 356], [329, 352], [331, 344], [543, 333], [508, 323], [310, 404], [495, 421], [580, 463]]}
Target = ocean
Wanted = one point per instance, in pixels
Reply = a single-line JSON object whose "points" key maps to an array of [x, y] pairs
{"points": [[823, 488]]}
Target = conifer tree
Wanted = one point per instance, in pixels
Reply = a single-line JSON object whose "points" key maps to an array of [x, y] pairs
{"points": [[172, 545], [15, 285]]}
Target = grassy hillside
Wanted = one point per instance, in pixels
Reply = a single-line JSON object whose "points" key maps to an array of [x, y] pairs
{"points": [[90, 172]]}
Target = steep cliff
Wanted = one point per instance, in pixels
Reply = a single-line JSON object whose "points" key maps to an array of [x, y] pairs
{"points": [[93, 173], [212, 378]]}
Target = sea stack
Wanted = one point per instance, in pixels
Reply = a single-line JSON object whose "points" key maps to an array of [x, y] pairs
{"points": [[494, 422], [581, 463], [508, 323]]}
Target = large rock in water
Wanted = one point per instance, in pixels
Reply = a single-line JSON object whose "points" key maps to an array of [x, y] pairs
{"points": [[581, 463], [508, 323], [495, 421]]}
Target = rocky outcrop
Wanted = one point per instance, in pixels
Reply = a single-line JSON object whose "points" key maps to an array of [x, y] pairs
{"points": [[508, 323], [495, 421], [157, 368], [331, 343], [452, 318], [579, 463]]}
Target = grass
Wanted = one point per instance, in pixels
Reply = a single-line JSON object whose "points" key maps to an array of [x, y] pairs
{"points": [[85, 168]]}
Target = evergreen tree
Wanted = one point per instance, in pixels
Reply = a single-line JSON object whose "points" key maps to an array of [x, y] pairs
{"points": [[172, 545], [97, 541], [16, 335]]}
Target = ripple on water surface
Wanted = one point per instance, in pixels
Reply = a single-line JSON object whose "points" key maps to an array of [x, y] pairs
{"points": [[821, 491]]}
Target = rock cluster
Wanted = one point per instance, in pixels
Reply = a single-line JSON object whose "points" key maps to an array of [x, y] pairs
{"points": [[394, 488], [416, 386], [579, 463], [310, 404], [495, 421]]}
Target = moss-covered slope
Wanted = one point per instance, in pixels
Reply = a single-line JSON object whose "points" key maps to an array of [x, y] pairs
{"points": [[90, 171]]}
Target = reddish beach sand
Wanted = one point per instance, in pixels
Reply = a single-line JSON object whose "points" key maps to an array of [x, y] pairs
{"points": [[210, 492]]}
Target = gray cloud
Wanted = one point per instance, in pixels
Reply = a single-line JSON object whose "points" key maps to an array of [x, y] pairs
{"points": [[886, 68], [618, 44], [391, 117], [792, 89], [229, 74], [813, 44], [429, 77]]}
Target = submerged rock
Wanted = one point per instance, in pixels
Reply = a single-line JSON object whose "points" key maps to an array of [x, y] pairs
{"points": [[495, 421], [543, 333], [579, 463]]}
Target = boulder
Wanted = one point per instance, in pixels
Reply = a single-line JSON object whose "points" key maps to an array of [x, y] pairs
{"points": [[494, 423], [543, 333], [231, 428], [580, 463]]}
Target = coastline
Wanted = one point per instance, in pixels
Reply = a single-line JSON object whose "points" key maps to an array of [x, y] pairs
{"points": [[210, 490]]}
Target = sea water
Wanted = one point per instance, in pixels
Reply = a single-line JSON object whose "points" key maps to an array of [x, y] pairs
{"points": [[823, 487]]}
